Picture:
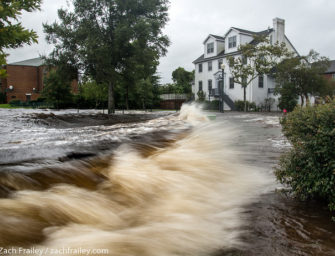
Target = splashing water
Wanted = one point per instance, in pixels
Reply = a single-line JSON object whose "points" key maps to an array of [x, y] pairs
{"points": [[181, 199]]}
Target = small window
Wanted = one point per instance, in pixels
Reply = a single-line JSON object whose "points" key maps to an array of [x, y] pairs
{"points": [[231, 83], [210, 66], [333, 76], [219, 64], [200, 85], [13, 97], [200, 67], [271, 39], [210, 85], [244, 60], [232, 42], [210, 47], [260, 81]]}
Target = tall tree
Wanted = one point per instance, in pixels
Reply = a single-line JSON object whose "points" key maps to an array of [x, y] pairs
{"points": [[100, 37], [12, 33], [258, 58], [57, 90], [183, 79], [98, 93], [304, 74]]}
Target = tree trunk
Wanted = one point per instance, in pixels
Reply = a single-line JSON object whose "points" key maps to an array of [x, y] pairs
{"points": [[111, 103], [307, 100], [302, 100], [127, 97], [245, 98]]}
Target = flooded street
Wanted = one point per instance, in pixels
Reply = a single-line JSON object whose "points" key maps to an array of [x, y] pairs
{"points": [[156, 183]]}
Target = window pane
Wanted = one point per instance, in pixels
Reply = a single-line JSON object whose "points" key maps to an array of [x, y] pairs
{"points": [[219, 64], [200, 85], [210, 48], [209, 85], [231, 83], [209, 66], [232, 42], [200, 68], [260, 81]]}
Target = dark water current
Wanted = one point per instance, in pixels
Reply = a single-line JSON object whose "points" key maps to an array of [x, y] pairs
{"points": [[151, 184]]}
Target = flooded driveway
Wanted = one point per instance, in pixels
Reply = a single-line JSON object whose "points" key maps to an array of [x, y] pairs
{"points": [[151, 184]]}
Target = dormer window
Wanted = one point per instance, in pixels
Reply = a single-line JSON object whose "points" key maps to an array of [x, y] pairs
{"points": [[210, 47], [232, 42]]}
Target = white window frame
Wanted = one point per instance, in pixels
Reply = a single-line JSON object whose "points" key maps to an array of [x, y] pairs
{"points": [[210, 47], [232, 41]]}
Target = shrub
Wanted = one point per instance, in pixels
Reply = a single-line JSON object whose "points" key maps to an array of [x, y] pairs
{"points": [[309, 167], [15, 103], [212, 105], [239, 105], [201, 96]]}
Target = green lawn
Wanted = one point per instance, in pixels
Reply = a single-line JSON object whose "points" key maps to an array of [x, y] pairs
{"points": [[5, 106], [9, 106]]}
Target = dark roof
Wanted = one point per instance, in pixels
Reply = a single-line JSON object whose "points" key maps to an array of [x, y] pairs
{"points": [[36, 62], [218, 37], [220, 55], [331, 68], [261, 33], [244, 30]]}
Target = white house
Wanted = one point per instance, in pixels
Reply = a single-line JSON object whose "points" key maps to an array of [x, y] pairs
{"points": [[218, 48]]}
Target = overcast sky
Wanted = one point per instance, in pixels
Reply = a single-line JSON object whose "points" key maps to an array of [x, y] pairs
{"points": [[309, 24]]}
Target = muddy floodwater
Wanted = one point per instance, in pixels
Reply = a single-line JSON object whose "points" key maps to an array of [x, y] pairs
{"points": [[150, 183]]}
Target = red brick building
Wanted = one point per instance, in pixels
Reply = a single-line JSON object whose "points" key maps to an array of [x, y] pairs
{"points": [[24, 80]]}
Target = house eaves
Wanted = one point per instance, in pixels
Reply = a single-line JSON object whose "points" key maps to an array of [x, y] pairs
{"points": [[220, 55], [36, 62]]}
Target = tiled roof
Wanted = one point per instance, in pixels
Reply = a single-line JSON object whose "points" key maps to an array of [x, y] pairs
{"points": [[36, 62], [331, 68]]}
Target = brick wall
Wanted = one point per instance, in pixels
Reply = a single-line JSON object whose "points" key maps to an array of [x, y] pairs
{"points": [[24, 79]]}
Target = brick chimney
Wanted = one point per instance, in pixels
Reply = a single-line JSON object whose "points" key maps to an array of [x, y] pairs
{"points": [[279, 30]]}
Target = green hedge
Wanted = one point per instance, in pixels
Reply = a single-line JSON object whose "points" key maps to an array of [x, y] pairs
{"points": [[239, 105], [309, 167], [212, 105]]}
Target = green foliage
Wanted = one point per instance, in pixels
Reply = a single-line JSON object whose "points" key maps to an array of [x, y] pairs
{"points": [[212, 105], [240, 104], [57, 90], [201, 96], [256, 59], [302, 75], [288, 97], [14, 102], [309, 167], [12, 33], [92, 91], [115, 42], [183, 80]]}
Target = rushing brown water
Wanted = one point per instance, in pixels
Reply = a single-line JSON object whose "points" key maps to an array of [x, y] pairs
{"points": [[175, 185]]}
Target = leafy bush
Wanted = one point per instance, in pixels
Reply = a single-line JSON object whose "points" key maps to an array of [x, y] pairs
{"points": [[239, 105], [288, 97], [201, 96], [15, 103], [309, 167], [212, 105]]}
